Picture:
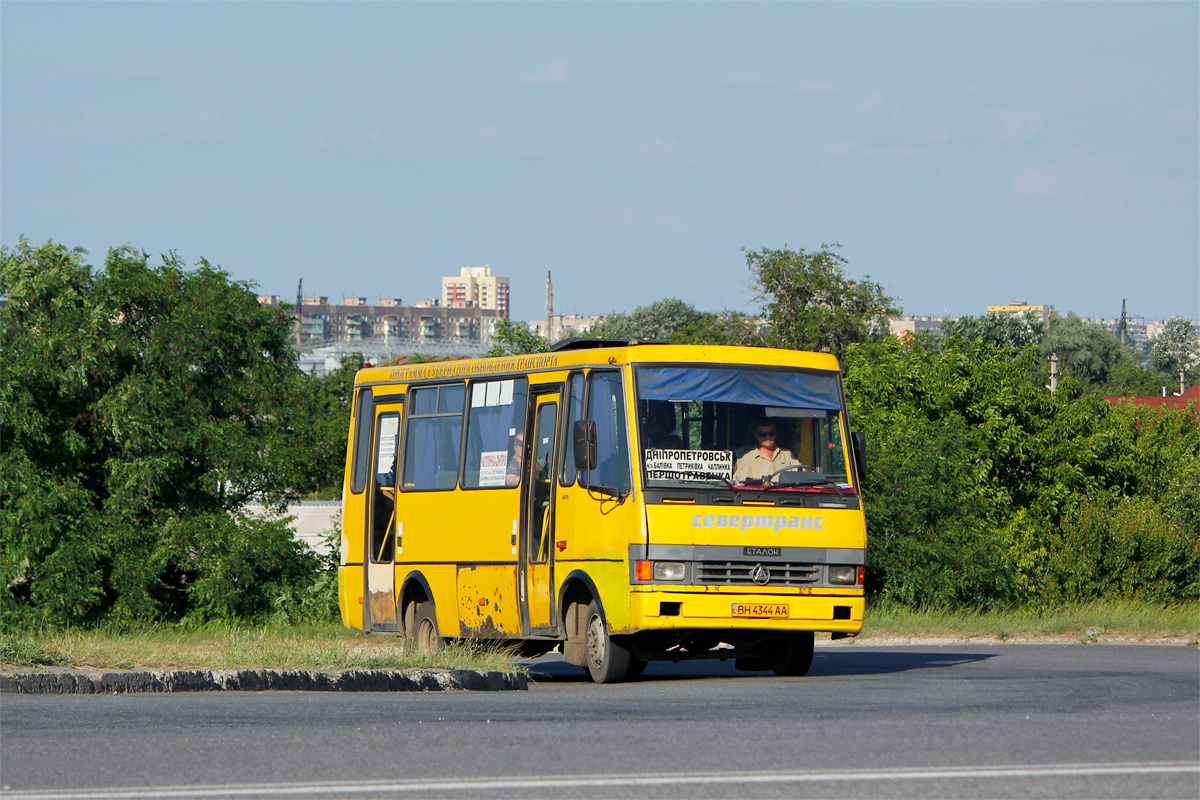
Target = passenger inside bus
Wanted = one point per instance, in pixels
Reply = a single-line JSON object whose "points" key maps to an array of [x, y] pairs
{"points": [[512, 475], [658, 422]]}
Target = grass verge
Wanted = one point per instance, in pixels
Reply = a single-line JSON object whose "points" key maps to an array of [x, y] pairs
{"points": [[1095, 621], [329, 648], [333, 648]]}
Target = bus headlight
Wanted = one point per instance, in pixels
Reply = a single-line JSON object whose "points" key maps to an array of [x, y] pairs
{"points": [[846, 576], [669, 570]]}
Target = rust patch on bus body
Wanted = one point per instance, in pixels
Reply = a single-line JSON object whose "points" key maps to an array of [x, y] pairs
{"points": [[483, 608], [383, 607], [487, 630]]}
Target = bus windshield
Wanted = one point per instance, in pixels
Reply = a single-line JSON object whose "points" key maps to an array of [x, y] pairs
{"points": [[741, 427]]}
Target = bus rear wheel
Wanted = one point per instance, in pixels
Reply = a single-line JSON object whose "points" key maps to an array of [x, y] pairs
{"points": [[607, 660], [423, 632], [795, 654]]}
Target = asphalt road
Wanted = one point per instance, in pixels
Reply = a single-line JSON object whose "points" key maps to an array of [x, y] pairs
{"points": [[921, 722]]}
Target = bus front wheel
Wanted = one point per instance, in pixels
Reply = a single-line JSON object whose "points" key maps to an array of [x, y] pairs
{"points": [[795, 654], [607, 660]]}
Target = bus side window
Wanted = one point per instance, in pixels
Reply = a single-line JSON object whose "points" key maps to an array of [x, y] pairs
{"points": [[574, 413], [495, 428], [606, 405], [434, 438], [364, 416]]}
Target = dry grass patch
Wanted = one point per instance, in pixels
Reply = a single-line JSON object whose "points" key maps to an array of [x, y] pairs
{"points": [[1096, 621], [327, 648]]}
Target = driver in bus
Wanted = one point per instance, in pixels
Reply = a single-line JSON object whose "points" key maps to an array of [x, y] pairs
{"points": [[766, 459]]}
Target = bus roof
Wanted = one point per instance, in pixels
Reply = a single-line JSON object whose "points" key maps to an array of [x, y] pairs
{"points": [[599, 355]]}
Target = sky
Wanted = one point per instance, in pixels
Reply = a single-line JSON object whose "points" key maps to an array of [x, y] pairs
{"points": [[962, 154]]}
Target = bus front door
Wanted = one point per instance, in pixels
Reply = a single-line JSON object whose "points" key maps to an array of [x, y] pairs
{"points": [[380, 611], [537, 519]]}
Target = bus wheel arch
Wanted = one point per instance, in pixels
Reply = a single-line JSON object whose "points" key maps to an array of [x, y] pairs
{"points": [[413, 591], [574, 595], [588, 642]]}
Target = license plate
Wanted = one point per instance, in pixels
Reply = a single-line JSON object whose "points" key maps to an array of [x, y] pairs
{"points": [[761, 610]]}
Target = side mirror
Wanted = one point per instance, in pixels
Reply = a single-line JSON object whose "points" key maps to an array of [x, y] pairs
{"points": [[583, 438], [858, 440]]}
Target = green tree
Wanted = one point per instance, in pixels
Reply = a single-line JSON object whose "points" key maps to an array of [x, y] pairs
{"points": [[662, 319], [983, 488], [323, 406], [1177, 349], [812, 305], [142, 407], [728, 328], [515, 338], [672, 320], [1085, 350], [1012, 333], [1130, 379]]}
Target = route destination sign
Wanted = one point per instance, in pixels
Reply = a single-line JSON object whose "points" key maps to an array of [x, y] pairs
{"points": [[688, 465]]}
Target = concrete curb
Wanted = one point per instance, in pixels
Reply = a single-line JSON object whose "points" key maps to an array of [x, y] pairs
{"points": [[85, 681], [1019, 639]]}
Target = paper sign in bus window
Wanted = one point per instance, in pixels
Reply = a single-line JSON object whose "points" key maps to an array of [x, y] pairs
{"points": [[688, 465], [493, 467], [506, 392], [389, 434], [492, 393]]}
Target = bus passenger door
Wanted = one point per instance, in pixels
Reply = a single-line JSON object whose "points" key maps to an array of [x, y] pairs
{"points": [[380, 612], [537, 517]]}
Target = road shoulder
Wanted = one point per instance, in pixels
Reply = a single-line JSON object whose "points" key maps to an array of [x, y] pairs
{"points": [[62, 680]]}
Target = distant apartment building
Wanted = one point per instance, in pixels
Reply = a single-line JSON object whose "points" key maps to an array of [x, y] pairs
{"points": [[1155, 329], [356, 320], [899, 326], [1137, 334], [564, 325], [476, 287], [1018, 307]]}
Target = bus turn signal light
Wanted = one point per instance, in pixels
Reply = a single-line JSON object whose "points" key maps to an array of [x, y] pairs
{"points": [[644, 571]]}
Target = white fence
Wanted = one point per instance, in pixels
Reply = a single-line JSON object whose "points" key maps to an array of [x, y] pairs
{"points": [[312, 520]]}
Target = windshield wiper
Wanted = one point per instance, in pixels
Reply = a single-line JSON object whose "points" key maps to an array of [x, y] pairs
{"points": [[809, 476]]}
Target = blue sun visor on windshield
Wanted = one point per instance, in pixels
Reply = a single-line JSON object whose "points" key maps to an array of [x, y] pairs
{"points": [[752, 387]]}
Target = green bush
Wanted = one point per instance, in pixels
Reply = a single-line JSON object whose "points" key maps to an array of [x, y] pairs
{"points": [[984, 490], [314, 601], [24, 652], [1120, 549]]}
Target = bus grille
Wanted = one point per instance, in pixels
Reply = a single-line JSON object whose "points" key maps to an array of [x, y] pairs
{"points": [[740, 572]]}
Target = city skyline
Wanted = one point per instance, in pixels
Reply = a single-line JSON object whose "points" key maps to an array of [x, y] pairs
{"points": [[964, 155], [426, 297]]}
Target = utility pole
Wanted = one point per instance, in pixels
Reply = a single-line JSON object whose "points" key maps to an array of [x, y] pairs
{"points": [[299, 307], [1124, 323], [549, 308], [1053, 372]]}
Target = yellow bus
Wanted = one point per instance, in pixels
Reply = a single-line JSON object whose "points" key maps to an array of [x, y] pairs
{"points": [[621, 501]]}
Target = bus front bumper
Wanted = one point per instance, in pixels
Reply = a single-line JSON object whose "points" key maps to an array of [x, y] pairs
{"points": [[670, 610]]}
